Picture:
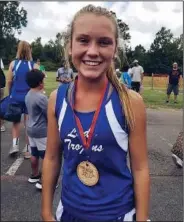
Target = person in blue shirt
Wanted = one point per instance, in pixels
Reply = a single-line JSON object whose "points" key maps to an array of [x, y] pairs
{"points": [[93, 122], [125, 77], [18, 88]]}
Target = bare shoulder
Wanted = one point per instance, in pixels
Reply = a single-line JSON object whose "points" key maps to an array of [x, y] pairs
{"points": [[52, 99], [11, 65], [139, 112], [135, 97], [138, 105], [53, 94]]}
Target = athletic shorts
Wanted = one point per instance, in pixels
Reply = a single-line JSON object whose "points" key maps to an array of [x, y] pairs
{"points": [[23, 108], [174, 88], [38, 146], [136, 86], [67, 217]]}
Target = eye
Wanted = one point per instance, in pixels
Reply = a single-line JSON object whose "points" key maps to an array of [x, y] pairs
{"points": [[83, 40], [105, 41]]}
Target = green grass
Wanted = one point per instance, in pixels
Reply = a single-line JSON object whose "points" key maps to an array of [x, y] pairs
{"points": [[50, 82], [156, 99], [153, 98]]}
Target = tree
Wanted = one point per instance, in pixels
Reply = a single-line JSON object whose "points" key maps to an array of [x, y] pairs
{"points": [[12, 19], [58, 47], [49, 50], [162, 39], [37, 49], [163, 50], [124, 40]]}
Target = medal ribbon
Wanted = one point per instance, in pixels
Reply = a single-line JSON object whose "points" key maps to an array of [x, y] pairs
{"points": [[87, 141]]}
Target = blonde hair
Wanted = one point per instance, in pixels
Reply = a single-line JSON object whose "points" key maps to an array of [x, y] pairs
{"points": [[111, 74], [24, 51]]}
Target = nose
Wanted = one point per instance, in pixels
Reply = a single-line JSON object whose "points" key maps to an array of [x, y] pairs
{"points": [[93, 50]]}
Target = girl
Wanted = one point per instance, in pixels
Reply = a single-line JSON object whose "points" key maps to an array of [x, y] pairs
{"points": [[18, 88], [94, 122]]}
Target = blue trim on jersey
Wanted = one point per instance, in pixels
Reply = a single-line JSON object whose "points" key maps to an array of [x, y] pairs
{"points": [[61, 94], [113, 195]]}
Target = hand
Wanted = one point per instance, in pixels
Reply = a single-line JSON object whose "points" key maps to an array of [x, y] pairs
{"points": [[48, 218], [69, 80]]}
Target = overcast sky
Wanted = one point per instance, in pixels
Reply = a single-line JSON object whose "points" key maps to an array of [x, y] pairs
{"points": [[46, 19]]}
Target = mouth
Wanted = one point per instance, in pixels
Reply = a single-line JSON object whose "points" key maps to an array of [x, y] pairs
{"points": [[91, 63]]}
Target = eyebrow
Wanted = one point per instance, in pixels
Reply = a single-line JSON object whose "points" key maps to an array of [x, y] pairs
{"points": [[88, 36]]}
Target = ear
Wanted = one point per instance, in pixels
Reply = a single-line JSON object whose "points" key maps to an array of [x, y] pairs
{"points": [[115, 53], [69, 48]]}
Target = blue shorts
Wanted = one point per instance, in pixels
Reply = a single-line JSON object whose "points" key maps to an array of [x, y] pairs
{"points": [[67, 217], [38, 146], [23, 107], [21, 103], [174, 88], [36, 153]]}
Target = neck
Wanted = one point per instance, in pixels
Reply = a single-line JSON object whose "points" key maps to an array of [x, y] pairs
{"points": [[87, 85], [37, 89]]}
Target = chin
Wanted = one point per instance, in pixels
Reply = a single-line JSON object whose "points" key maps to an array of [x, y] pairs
{"points": [[92, 75]]}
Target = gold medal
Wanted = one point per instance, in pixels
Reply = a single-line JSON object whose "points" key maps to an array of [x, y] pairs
{"points": [[87, 173]]}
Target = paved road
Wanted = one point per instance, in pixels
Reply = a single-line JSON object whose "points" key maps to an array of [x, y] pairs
{"points": [[21, 201]]}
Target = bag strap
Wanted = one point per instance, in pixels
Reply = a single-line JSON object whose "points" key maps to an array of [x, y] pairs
{"points": [[17, 66], [29, 65]]}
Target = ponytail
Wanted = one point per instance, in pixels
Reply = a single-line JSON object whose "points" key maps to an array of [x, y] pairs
{"points": [[123, 95]]}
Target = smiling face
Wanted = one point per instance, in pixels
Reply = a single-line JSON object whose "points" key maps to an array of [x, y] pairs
{"points": [[93, 45]]}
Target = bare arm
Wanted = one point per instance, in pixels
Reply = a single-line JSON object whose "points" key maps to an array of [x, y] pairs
{"points": [[52, 161], [10, 76], [139, 158]]}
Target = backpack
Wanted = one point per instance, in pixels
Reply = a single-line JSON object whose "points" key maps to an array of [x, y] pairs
{"points": [[20, 87], [2, 79]]}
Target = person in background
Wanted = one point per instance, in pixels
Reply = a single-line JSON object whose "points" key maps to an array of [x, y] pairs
{"points": [[36, 103], [41, 67], [18, 88], [64, 73], [173, 83], [137, 74], [125, 77], [2, 88], [130, 69]]}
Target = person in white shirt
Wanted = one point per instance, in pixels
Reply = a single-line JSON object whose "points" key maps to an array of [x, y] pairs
{"points": [[137, 74], [130, 69]]}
